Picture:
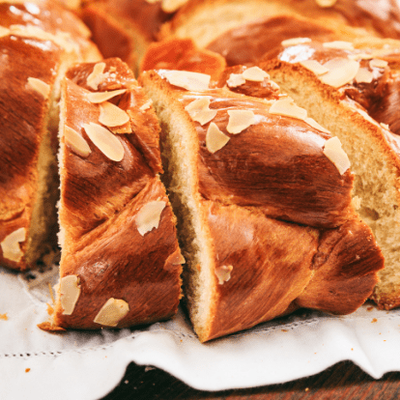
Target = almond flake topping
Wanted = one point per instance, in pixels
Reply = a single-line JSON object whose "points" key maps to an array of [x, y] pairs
{"points": [[341, 72], [223, 273], [239, 120], [316, 125], [385, 126], [97, 76], [39, 86], [326, 3], [170, 6], [148, 217], [199, 110], [235, 80], [287, 108], [364, 76], [101, 97], [10, 245], [378, 63], [333, 150], [112, 115], [295, 41], [4, 31], [255, 74], [193, 81], [359, 56], [69, 293], [339, 44], [215, 139], [105, 141], [146, 105], [76, 142], [112, 312], [314, 66]]}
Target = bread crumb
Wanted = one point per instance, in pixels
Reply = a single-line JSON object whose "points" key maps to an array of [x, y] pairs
{"points": [[306, 389], [374, 320], [27, 369], [4, 317]]}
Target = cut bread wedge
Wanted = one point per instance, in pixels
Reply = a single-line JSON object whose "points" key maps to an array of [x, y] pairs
{"points": [[265, 218], [34, 59], [342, 107], [120, 260]]}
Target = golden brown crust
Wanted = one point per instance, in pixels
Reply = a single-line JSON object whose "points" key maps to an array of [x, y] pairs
{"points": [[254, 169], [182, 54], [359, 14]]}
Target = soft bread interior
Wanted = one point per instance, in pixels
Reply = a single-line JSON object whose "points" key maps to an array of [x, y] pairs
{"points": [[376, 176], [179, 151]]}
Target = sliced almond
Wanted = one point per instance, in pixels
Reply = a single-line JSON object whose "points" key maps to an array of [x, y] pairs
{"points": [[326, 3], [254, 74], [341, 72], [113, 311], [333, 150], [384, 126], [235, 80], [146, 105], [193, 81], [314, 66], [239, 120], [76, 142], [97, 76], [316, 125], [359, 56], [112, 115], [105, 141], [148, 218], [4, 31], [39, 86], [170, 6], [295, 41], [339, 44], [215, 139], [364, 76], [223, 273], [101, 97], [287, 108], [378, 63], [11, 245], [69, 293], [199, 110]]}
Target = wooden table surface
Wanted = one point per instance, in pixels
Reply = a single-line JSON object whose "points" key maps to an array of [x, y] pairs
{"points": [[342, 381]]}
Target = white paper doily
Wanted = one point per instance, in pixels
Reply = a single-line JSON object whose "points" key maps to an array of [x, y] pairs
{"points": [[88, 365]]}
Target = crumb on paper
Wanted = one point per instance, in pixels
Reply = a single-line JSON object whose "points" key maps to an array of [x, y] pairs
{"points": [[284, 330], [4, 316], [370, 308], [27, 369], [374, 320]]}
